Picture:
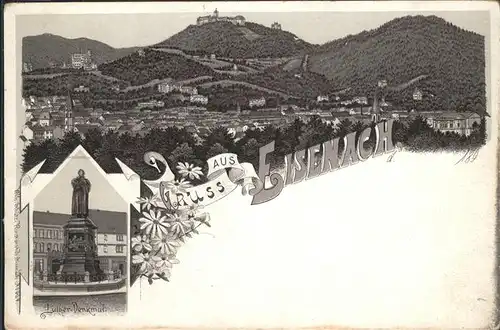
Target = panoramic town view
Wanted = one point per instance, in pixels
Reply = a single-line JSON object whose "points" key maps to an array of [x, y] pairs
{"points": [[227, 84]]}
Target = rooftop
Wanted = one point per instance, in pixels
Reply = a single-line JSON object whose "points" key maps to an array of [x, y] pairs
{"points": [[106, 221]]}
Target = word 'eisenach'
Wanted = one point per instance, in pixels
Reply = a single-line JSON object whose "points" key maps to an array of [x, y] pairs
{"points": [[298, 167]]}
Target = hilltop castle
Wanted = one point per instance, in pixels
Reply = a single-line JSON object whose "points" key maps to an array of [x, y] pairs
{"points": [[236, 20]]}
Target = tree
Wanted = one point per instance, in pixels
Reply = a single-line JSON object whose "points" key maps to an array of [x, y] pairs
{"points": [[250, 152], [183, 153], [215, 150]]}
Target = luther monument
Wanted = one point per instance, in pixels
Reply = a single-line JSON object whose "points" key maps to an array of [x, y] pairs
{"points": [[80, 248]]}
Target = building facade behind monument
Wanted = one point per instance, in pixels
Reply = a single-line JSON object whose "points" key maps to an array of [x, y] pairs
{"points": [[48, 239]]}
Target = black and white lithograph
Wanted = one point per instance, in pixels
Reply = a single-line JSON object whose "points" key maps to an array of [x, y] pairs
{"points": [[80, 240], [139, 135]]}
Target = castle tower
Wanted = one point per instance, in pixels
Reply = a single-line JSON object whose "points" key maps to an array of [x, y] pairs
{"points": [[375, 108]]}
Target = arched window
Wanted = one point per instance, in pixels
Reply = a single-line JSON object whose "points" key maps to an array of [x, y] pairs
{"points": [[56, 247], [42, 247], [41, 233], [49, 246]]}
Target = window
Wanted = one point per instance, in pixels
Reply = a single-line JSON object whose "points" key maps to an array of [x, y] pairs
{"points": [[105, 237], [49, 233], [119, 237], [458, 124], [35, 233], [41, 233], [119, 249], [56, 247], [39, 265], [42, 247], [49, 246], [105, 249]]}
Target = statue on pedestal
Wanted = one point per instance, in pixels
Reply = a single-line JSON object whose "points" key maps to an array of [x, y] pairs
{"points": [[80, 201], [80, 249]]}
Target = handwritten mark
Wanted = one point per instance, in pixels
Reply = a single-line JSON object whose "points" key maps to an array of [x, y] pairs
{"points": [[469, 156], [399, 147], [391, 156]]}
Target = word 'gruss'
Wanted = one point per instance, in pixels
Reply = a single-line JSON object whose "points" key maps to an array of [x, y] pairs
{"points": [[300, 167]]}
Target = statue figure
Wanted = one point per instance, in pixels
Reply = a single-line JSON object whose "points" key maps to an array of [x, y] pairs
{"points": [[80, 201]]}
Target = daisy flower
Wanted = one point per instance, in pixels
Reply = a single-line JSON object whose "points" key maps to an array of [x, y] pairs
{"points": [[165, 244], [165, 260], [141, 242], [147, 202], [144, 260], [179, 224], [191, 211], [154, 223], [178, 185], [161, 271], [189, 171]]}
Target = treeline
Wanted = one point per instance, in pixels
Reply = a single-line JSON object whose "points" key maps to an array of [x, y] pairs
{"points": [[177, 145]]}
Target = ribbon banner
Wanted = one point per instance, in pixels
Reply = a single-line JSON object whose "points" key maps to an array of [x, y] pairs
{"points": [[225, 174]]}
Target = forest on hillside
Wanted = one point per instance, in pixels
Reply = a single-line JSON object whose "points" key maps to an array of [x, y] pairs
{"points": [[177, 145], [227, 40], [405, 48], [139, 70]]}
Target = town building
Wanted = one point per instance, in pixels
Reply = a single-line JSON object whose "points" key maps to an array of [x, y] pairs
{"points": [[168, 86], [276, 26], [141, 53], [322, 98], [188, 90], [199, 99], [257, 102], [83, 61], [151, 104], [41, 133], [48, 239], [382, 83], [48, 243], [45, 118], [236, 20], [462, 123], [417, 95], [81, 89], [27, 67], [360, 100]]}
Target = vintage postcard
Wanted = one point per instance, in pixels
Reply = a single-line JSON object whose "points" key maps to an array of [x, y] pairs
{"points": [[251, 165]]}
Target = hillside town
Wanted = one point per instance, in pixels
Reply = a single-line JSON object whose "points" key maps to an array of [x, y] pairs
{"points": [[51, 117], [165, 86]]}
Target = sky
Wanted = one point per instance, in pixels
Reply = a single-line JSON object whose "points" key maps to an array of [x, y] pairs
{"points": [[127, 30]]}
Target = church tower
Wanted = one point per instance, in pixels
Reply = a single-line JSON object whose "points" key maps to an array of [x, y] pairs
{"points": [[375, 108], [68, 113]]}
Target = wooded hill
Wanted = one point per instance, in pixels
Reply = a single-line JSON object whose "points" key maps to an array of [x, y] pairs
{"points": [[228, 40], [405, 48], [41, 50]]}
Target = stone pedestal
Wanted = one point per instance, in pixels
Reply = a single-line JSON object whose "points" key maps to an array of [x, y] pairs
{"points": [[80, 248]]}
